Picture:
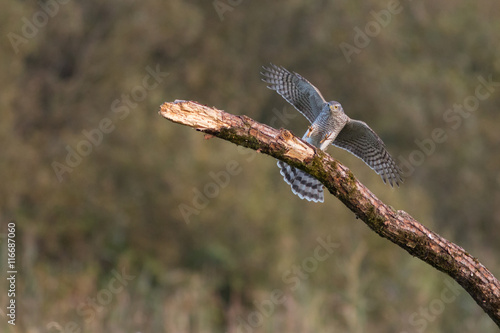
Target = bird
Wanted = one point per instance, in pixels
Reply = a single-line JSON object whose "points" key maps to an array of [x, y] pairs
{"points": [[329, 125]]}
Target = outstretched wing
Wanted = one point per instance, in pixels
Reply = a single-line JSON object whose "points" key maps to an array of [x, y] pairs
{"points": [[359, 139], [295, 90]]}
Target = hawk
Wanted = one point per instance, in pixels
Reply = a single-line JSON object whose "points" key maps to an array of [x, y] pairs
{"points": [[329, 125]]}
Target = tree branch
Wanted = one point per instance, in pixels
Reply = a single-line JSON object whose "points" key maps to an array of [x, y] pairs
{"points": [[397, 226]]}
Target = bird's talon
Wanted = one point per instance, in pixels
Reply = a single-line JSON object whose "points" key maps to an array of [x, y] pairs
{"points": [[309, 131], [324, 139]]}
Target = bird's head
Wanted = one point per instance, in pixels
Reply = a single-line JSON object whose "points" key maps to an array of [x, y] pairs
{"points": [[335, 107]]}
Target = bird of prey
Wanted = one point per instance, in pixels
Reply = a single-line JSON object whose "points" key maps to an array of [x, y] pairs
{"points": [[329, 124]]}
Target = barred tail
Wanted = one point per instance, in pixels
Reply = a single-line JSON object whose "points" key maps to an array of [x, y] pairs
{"points": [[303, 184]]}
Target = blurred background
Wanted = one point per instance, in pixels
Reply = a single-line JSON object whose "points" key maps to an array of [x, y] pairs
{"points": [[126, 222]]}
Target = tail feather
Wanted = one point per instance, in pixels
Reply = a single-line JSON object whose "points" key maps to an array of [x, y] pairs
{"points": [[303, 184]]}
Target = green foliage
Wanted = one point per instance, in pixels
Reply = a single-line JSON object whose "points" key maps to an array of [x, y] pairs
{"points": [[118, 209]]}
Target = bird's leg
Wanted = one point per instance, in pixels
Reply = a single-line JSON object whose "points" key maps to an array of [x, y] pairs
{"points": [[327, 136], [309, 131]]}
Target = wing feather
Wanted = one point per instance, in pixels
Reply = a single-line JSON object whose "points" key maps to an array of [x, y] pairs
{"points": [[295, 89], [359, 139]]}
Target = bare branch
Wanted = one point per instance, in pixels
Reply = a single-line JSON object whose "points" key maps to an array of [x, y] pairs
{"points": [[397, 226]]}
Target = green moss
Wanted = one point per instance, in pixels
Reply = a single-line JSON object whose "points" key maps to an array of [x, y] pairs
{"points": [[317, 166], [352, 184], [374, 220]]}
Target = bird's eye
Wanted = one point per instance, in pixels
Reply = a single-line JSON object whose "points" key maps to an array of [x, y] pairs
{"points": [[336, 107]]}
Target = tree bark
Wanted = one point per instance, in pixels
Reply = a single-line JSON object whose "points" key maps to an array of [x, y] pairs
{"points": [[397, 226]]}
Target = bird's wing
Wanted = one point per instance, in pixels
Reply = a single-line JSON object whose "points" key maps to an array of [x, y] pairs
{"points": [[296, 90], [359, 139]]}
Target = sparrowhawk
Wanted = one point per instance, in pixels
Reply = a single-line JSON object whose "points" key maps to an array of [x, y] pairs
{"points": [[329, 124]]}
